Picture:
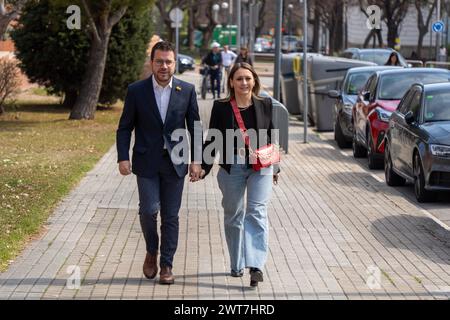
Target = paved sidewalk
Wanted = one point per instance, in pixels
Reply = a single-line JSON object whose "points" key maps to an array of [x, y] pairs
{"points": [[334, 229]]}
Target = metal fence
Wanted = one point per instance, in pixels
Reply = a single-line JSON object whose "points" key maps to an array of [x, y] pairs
{"points": [[439, 64]]}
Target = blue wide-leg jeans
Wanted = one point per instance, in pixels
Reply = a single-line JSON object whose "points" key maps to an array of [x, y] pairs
{"points": [[246, 226]]}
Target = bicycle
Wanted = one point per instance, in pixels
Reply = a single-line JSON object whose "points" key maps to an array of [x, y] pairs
{"points": [[206, 82]]}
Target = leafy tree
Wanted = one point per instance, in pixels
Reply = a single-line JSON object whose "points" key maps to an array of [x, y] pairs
{"points": [[423, 25], [126, 54], [56, 57], [393, 14], [50, 54]]}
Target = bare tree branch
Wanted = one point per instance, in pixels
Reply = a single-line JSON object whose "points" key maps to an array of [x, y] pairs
{"points": [[95, 33], [115, 18]]}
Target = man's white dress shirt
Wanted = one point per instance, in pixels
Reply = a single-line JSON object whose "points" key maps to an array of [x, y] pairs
{"points": [[162, 97]]}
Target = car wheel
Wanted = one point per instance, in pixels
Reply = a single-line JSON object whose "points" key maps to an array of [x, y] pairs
{"points": [[339, 136], [358, 150], [422, 195], [374, 162], [392, 178]]}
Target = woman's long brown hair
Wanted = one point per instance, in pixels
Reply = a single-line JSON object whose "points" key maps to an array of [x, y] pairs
{"points": [[236, 67]]}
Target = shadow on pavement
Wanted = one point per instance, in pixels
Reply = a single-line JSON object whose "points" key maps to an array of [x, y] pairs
{"points": [[420, 235]]}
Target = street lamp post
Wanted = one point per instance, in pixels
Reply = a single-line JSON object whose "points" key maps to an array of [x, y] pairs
{"points": [[438, 34], [290, 7], [305, 70], [276, 78], [215, 8], [238, 22], [225, 6]]}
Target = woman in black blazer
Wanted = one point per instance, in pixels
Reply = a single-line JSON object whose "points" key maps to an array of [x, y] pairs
{"points": [[246, 227]]}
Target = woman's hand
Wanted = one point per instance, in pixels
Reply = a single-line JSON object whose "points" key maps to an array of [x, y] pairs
{"points": [[275, 178]]}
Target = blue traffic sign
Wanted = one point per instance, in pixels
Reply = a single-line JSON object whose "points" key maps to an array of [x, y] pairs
{"points": [[438, 26]]}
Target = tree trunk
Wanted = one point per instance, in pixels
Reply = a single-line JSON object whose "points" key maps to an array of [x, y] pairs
{"points": [[2, 110], [380, 38], [70, 98], [4, 22], [191, 31], [392, 34], [391, 39], [86, 103], [420, 43], [368, 37], [316, 29], [207, 35]]}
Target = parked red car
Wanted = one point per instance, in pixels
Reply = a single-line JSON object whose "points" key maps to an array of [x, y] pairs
{"points": [[375, 104]]}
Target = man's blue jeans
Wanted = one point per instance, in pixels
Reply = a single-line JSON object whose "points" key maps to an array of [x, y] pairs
{"points": [[246, 227], [162, 193], [215, 76]]}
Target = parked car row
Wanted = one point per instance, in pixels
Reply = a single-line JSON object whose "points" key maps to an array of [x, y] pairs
{"points": [[398, 118], [377, 55]]}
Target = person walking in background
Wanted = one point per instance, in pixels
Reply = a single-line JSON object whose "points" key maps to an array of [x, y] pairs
{"points": [[214, 60], [246, 226], [228, 58], [443, 54], [393, 60], [244, 57], [154, 108]]}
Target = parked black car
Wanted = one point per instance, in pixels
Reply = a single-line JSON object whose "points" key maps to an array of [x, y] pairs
{"points": [[417, 146], [185, 62], [380, 97], [353, 82]]}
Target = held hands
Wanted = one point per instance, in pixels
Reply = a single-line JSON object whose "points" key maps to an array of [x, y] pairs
{"points": [[125, 167], [195, 172]]}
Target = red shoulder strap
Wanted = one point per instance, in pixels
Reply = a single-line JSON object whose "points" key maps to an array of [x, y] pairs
{"points": [[240, 122]]}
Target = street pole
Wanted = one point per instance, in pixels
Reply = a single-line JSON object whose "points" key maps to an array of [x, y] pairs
{"points": [[176, 46], [177, 41], [438, 34], [238, 22], [305, 71], [230, 12], [276, 76]]}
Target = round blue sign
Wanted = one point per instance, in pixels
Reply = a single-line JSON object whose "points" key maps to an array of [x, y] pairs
{"points": [[438, 26]]}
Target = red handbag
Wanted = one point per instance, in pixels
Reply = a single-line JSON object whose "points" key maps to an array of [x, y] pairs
{"points": [[262, 157]]}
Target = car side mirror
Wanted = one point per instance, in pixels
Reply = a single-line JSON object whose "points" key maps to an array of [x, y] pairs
{"points": [[409, 117], [334, 94]]}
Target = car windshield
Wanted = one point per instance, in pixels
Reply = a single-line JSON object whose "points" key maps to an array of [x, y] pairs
{"points": [[380, 57], [437, 106], [393, 86], [356, 82]]}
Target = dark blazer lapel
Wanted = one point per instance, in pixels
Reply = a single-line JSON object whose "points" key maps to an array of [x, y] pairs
{"points": [[259, 112], [173, 98], [150, 96]]}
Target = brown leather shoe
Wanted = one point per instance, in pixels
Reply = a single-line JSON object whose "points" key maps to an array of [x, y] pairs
{"points": [[166, 276], [150, 267]]}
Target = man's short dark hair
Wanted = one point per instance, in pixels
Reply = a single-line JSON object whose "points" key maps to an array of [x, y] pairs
{"points": [[163, 46]]}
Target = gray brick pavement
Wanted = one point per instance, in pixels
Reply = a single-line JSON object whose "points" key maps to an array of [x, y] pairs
{"points": [[331, 223]]}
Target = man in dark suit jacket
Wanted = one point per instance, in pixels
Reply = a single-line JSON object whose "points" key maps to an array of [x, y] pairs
{"points": [[158, 110]]}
